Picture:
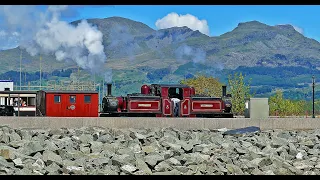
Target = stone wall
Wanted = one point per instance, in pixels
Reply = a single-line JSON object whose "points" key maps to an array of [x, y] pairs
{"points": [[143, 122]]}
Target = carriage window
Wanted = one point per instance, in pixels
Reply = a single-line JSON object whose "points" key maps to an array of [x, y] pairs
{"points": [[57, 99], [87, 98], [72, 99]]}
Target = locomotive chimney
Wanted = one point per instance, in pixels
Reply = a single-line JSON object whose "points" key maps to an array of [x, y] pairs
{"points": [[224, 91], [109, 86]]}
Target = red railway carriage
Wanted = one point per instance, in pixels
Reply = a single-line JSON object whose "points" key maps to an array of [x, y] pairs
{"points": [[67, 103], [157, 100]]}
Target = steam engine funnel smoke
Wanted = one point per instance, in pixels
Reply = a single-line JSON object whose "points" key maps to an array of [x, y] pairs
{"points": [[44, 33]]}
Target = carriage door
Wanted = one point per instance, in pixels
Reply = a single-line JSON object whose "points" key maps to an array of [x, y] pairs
{"points": [[71, 105], [175, 92]]}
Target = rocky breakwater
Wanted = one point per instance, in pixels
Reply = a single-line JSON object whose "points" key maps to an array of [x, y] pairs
{"points": [[167, 151]]}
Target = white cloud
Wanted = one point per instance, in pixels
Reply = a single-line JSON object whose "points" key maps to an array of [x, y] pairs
{"points": [[175, 20], [8, 40], [3, 33], [298, 29]]}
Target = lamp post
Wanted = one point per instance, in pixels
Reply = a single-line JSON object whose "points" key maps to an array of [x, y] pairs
{"points": [[313, 84]]}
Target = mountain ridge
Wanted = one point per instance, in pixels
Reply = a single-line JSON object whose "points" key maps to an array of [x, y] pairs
{"points": [[136, 50]]}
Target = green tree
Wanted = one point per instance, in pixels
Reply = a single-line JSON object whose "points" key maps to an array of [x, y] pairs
{"points": [[204, 85], [285, 107], [240, 91]]}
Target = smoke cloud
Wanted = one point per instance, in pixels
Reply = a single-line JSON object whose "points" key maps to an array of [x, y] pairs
{"points": [[184, 51], [43, 32], [119, 36], [108, 75]]}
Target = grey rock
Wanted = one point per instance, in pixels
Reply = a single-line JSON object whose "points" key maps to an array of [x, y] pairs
{"points": [[256, 171], [86, 138], [18, 162], [163, 166], [53, 169], [78, 170], [49, 157], [32, 148], [173, 172], [14, 137], [183, 169], [106, 138], [128, 168], [23, 171], [4, 163], [96, 146], [277, 142], [142, 166], [233, 169], [260, 162], [120, 160], [38, 165], [85, 149], [153, 159], [149, 149], [173, 161], [302, 165]]}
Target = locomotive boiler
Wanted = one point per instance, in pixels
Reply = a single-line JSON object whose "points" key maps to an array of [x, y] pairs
{"points": [[156, 100]]}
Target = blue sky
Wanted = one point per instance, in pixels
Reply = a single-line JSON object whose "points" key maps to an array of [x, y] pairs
{"points": [[220, 18]]}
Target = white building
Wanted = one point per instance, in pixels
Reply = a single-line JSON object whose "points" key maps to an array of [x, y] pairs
{"points": [[6, 84]]}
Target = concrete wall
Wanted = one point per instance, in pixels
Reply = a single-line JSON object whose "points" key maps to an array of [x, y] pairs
{"points": [[142, 122]]}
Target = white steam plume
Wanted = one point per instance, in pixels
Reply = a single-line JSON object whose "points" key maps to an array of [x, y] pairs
{"points": [[196, 54], [45, 33], [108, 75]]}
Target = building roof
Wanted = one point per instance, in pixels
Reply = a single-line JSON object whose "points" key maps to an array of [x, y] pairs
{"points": [[6, 80], [48, 91], [69, 92], [18, 92]]}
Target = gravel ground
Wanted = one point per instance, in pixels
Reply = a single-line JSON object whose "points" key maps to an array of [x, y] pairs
{"points": [[166, 151]]}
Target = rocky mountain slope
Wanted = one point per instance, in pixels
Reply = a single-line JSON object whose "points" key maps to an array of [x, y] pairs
{"points": [[179, 52]]}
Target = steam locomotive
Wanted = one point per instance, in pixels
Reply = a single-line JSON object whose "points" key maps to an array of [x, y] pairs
{"points": [[155, 100]]}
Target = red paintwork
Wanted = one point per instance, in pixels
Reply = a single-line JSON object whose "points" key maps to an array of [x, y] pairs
{"points": [[185, 107], [120, 103], [144, 106], [164, 106], [192, 91], [64, 108], [167, 106], [164, 92], [145, 89], [186, 92], [207, 106]]}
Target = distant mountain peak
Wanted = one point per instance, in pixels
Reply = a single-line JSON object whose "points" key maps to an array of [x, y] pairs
{"points": [[285, 26], [251, 24]]}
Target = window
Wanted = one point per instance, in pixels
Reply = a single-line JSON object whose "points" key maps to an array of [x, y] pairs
{"points": [[72, 99], [57, 99], [87, 98]]}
